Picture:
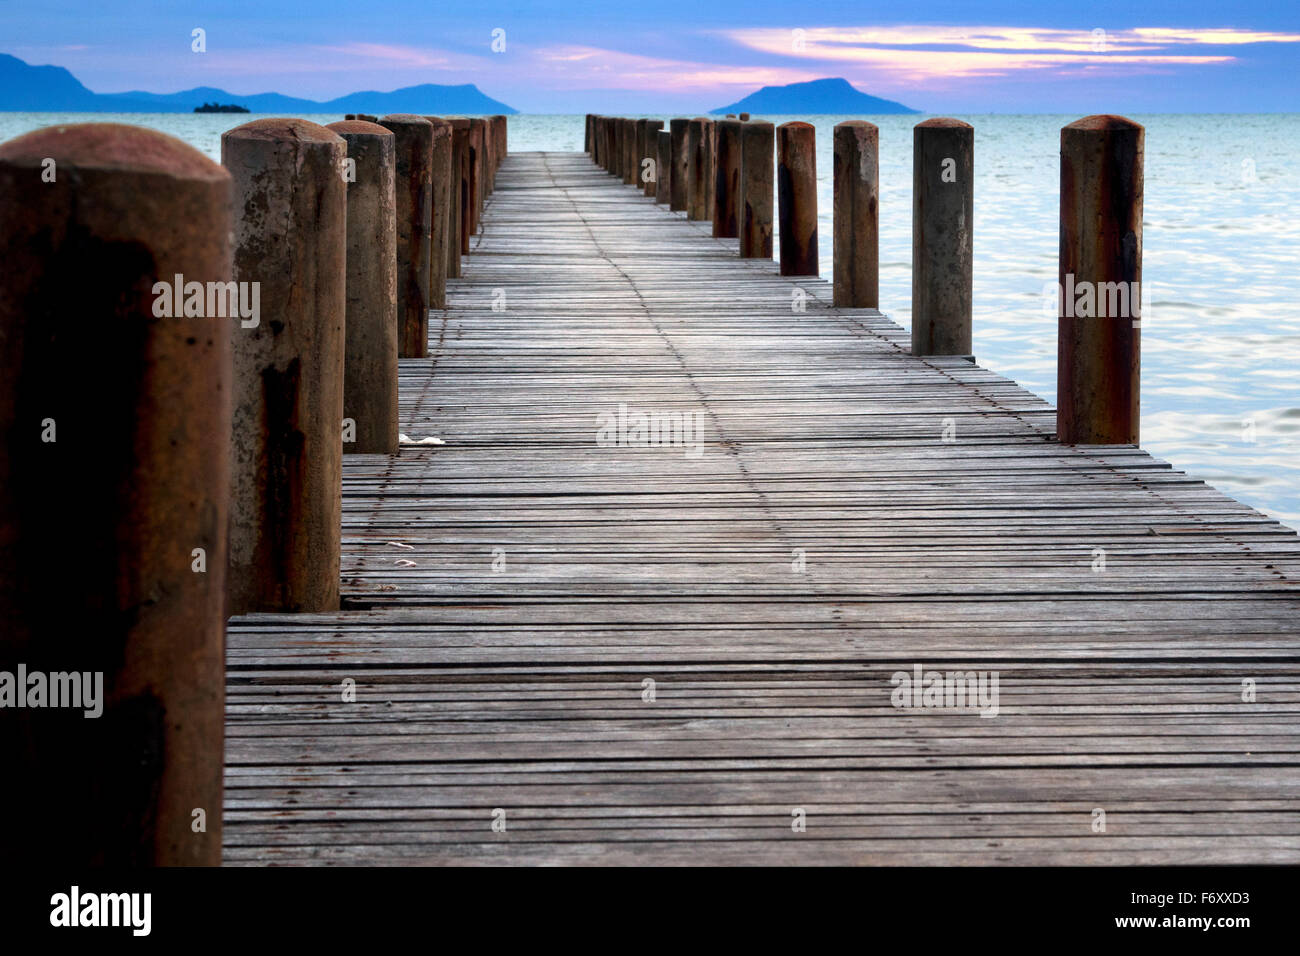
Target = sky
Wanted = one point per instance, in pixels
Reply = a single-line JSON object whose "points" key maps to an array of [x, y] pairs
{"points": [[577, 56]]}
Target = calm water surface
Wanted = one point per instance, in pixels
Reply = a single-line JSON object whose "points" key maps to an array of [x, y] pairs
{"points": [[1220, 328]]}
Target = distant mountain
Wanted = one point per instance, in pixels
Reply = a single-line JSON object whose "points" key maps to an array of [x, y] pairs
{"points": [[815, 96], [29, 88]]}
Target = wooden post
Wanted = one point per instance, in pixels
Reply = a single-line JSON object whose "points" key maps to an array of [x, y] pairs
{"points": [[477, 146], [699, 171], [943, 167], [663, 166], [744, 117], [756, 167], [680, 173], [629, 152], [726, 180], [611, 143], [796, 177], [288, 388], [489, 161], [1100, 291], [370, 329], [413, 148], [439, 215], [856, 217], [639, 152], [114, 484], [458, 201], [586, 134], [650, 186], [503, 140]]}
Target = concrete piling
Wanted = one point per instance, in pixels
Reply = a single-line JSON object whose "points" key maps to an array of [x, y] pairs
{"points": [[114, 488], [288, 387], [796, 177], [1100, 282], [943, 167], [680, 172], [370, 329], [755, 199], [726, 179], [856, 215], [413, 148]]}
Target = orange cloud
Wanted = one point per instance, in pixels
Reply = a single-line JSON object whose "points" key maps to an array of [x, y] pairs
{"points": [[579, 67], [923, 52]]}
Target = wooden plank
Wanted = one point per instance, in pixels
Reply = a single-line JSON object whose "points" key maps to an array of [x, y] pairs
{"points": [[840, 512]]}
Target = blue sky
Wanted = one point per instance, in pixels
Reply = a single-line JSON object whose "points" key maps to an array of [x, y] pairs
{"points": [[689, 55]]}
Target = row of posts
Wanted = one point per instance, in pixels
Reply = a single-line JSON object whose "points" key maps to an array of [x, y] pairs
{"points": [[722, 170], [186, 351]]}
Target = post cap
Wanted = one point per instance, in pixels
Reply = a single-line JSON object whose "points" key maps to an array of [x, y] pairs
{"points": [[283, 128], [111, 146]]}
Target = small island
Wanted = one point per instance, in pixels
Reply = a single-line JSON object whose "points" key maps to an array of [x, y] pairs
{"points": [[220, 108]]}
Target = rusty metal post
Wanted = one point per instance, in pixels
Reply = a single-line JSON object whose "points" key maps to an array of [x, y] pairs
{"points": [[796, 178], [370, 329], [457, 202], [856, 216], [680, 172], [1100, 290], [114, 483], [699, 172], [755, 200], [943, 168], [413, 148], [651, 184], [286, 468], [726, 180], [663, 166], [439, 212]]}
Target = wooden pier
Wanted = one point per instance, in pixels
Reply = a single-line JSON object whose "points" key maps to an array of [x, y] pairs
{"points": [[851, 513]]}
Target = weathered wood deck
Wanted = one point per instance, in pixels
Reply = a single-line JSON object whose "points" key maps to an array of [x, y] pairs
{"points": [[521, 687]]}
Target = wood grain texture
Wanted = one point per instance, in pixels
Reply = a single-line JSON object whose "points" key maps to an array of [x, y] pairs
{"points": [[507, 594]]}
